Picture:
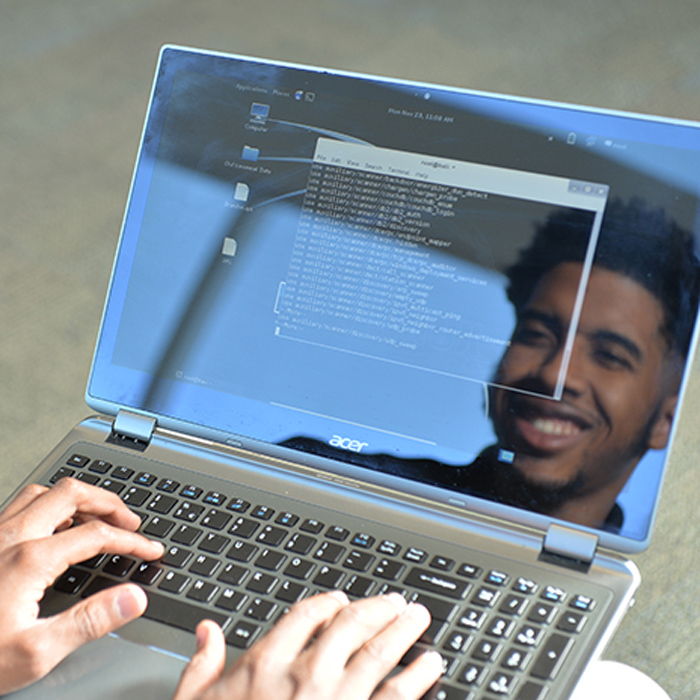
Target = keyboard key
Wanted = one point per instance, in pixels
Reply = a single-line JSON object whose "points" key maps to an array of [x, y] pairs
{"points": [[146, 573], [242, 527], [469, 571], [262, 512], [439, 609], [311, 525], [335, 532], [272, 536], [186, 534], [205, 566], [242, 634], [99, 466], [119, 565], [299, 568], [214, 498], [188, 511], [72, 581], [180, 614], [61, 474], [571, 622], [389, 548], [167, 485], [329, 552], [359, 587], [553, 651], [287, 519], [300, 544], [173, 582], [442, 563], [216, 519], [213, 543], [88, 478], [242, 551], [136, 496], [145, 479], [329, 578], [291, 592], [437, 583], [531, 691], [362, 540], [238, 505], [77, 461], [233, 574], [176, 556], [389, 569], [122, 473], [270, 560], [162, 504], [191, 492], [158, 527], [415, 555], [260, 609], [230, 600], [358, 561], [261, 583], [202, 591]]}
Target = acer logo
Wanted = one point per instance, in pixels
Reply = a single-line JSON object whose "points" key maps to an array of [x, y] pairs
{"points": [[347, 443]]}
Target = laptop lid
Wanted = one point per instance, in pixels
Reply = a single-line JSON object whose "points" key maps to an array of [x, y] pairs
{"points": [[458, 295]]}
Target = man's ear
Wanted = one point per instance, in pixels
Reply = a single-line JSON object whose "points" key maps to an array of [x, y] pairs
{"points": [[661, 428]]}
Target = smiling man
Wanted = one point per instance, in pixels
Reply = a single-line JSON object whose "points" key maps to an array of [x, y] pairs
{"points": [[570, 457]]}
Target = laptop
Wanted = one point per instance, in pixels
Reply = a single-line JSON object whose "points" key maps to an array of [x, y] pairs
{"points": [[374, 335]]}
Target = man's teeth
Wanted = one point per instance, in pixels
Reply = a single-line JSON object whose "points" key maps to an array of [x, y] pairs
{"points": [[551, 426]]}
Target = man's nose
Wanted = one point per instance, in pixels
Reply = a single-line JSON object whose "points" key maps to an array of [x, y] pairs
{"points": [[565, 366]]}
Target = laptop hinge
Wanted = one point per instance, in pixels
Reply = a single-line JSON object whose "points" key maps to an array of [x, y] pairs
{"points": [[132, 430], [568, 547]]}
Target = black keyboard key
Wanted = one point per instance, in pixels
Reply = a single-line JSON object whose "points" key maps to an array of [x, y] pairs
{"points": [[262, 512], [439, 609], [77, 461], [119, 565], [300, 568], [99, 583], [389, 548], [291, 592], [311, 525], [270, 560], [260, 609], [300, 544], [242, 527], [72, 581], [61, 473], [202, 591], [261, 583], [442, 563], [242, 634], [99, 466], [186, 534], [335, 532], [389, 569], [122, 473], [205, 566], [287, 519], [329, 552], [213, 543], [233, 574], [238, 505], [242, 551], [158, 527], [168, 485], [180, 614], [162, 504], [329, 578], [216, 519], [145, 479], [272, 536], [214, 498], [191, 492], [112, 485], [146, 574], [173, 582], [501, 684], [363, 540], [531, 691], [553, 651], [176, 556], [359, 561], [91, 479], [437, 583], [188, 511], [230, 600], [359, 587], [415, 555]]}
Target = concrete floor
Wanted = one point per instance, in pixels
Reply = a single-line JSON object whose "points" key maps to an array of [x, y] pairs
{"points": [[74, 82]]}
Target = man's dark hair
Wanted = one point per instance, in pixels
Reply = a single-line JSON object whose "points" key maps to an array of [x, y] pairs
{"points": [[640, 243]]}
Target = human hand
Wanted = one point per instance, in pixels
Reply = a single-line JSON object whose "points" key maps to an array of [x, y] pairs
{"points": [[37, 544], [325, 648]]}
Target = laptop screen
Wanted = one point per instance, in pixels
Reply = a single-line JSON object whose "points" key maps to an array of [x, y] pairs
{"points": [[486, 296]]}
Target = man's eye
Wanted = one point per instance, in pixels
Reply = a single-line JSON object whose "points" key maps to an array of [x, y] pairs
{"points": [[612, 359], [531, 335]]}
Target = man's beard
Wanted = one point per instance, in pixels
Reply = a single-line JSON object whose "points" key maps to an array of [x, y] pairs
{"points": [[506, 484]]}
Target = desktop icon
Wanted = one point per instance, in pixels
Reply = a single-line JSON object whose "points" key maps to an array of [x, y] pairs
{"points": [[250, 153]]}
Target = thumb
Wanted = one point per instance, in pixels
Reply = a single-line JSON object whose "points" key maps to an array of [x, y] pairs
{"points": [[93, 618], [207, 664]]}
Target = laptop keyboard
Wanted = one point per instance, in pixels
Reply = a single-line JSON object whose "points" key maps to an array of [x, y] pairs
{"points": [[242, 563]]}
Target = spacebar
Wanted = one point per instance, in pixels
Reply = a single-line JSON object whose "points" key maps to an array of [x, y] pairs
{"points": [[179, 614]]}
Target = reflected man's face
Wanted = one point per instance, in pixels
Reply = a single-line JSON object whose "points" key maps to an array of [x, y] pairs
{"points": [[619, 392]]}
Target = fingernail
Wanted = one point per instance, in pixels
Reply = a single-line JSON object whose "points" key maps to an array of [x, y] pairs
{"points": [[397, 600], [434, 659], [131, 602], [201, 635], [341, 596]]}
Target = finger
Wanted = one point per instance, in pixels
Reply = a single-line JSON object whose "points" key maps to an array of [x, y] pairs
{"points": [[414, 681], [69, 497], [207, 664], [26, 496], [41, 561], [88, 620], [292, 634], [354, 626], [380, 654]]}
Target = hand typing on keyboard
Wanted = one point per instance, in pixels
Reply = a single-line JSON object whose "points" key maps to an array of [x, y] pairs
{"points": [[37, 544], [325, 648]]}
